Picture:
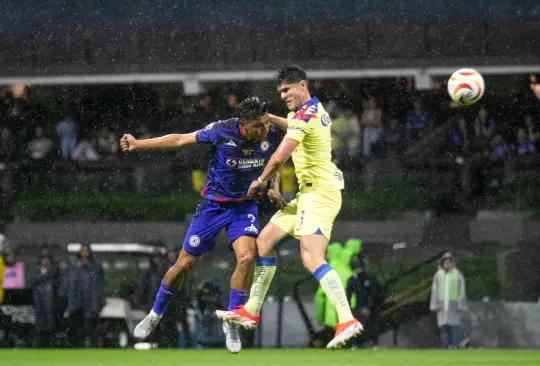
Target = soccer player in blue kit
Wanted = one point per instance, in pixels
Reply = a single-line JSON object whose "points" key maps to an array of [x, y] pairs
{"points": [[240, 149]]}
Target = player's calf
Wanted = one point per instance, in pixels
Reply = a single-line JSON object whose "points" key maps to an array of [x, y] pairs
{"points": [[174, 277], [248, 316], [245, 250], [313, 249], [172, 281], [265, 268]]}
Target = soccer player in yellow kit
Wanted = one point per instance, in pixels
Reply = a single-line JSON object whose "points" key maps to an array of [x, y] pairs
{"points": [[311, 215]]}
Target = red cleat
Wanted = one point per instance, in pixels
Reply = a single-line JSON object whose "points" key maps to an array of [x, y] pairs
{"points": [[239, 316], [344, 332]]}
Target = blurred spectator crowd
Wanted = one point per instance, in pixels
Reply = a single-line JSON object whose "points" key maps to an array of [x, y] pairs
{"points": [[68, 299], [41, 126], [380, 117], [71, 301], [372, 119]]}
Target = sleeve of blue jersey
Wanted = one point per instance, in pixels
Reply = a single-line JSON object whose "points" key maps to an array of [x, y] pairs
{"points": [[209, 134], [277, 135]]}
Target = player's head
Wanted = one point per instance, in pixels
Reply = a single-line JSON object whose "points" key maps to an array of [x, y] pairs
{"points": [[254, 120], [293, 86]]}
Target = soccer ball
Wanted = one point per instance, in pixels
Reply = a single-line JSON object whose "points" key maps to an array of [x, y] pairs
{"points": [[466, 86]]}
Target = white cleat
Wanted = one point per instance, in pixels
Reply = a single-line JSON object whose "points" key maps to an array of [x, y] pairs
{"points": [[232, 338], [344, 332], [145, 327]]}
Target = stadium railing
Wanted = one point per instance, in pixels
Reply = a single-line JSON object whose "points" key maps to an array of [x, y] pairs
{"points": [[395, 309]]}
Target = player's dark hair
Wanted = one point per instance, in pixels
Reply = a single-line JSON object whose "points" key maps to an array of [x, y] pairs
{"points": [[291, 74], [251, 109]]}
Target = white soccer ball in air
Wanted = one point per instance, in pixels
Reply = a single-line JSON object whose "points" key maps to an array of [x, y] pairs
{"points": [[466, 86]]}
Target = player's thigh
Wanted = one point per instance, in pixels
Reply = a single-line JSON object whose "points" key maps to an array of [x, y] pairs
{"points": [[269, 237], [208, 221], [317, 212], [185, 260], [284, 219], [244, 221], [183, 264]]}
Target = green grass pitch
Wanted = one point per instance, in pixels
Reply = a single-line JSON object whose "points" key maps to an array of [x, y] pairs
{"points": [[267, 357]]}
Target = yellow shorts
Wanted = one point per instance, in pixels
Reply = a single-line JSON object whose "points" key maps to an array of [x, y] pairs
{"points": [[309, 213]]}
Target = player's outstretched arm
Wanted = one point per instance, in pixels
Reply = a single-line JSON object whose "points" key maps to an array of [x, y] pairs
{"points": [[280, 122], [172, 141]]}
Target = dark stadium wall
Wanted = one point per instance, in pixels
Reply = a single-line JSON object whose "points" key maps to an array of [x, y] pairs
{"points": [[408, 230], [414, 229]]}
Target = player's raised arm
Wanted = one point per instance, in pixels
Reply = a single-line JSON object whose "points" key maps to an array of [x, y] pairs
{"points": [[276, 182], [172, 141], [280, 122], [278, 159], [274, 193]]}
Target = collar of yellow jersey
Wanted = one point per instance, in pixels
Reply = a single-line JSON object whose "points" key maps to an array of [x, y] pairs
{"points": [[309, 103]]}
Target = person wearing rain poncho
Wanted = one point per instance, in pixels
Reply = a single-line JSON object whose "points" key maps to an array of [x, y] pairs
{"points": [[339, 258], [448, 300]]}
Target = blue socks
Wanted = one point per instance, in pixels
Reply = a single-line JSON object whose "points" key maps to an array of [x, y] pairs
{"points": [[321, 271], [163, 297], [237, 298], [240, 297]]}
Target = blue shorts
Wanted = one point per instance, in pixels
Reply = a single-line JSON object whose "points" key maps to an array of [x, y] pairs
{"points": [[239, 219]]}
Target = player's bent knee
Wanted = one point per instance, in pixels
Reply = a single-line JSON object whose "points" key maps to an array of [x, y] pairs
{"points": [[308, 265], [246, 258], [187, 263], [184, 262], [311, 260], [265, 248], [245, 250], [177, 269]]}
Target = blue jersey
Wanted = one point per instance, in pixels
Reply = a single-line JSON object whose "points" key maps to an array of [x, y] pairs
{"points": [[234, 163]]}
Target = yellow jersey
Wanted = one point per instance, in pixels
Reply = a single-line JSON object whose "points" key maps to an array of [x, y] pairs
{"points": [[311, 126]]}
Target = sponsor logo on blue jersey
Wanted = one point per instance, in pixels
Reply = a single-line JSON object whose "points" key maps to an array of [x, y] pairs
{"points": [[234, 163]]}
